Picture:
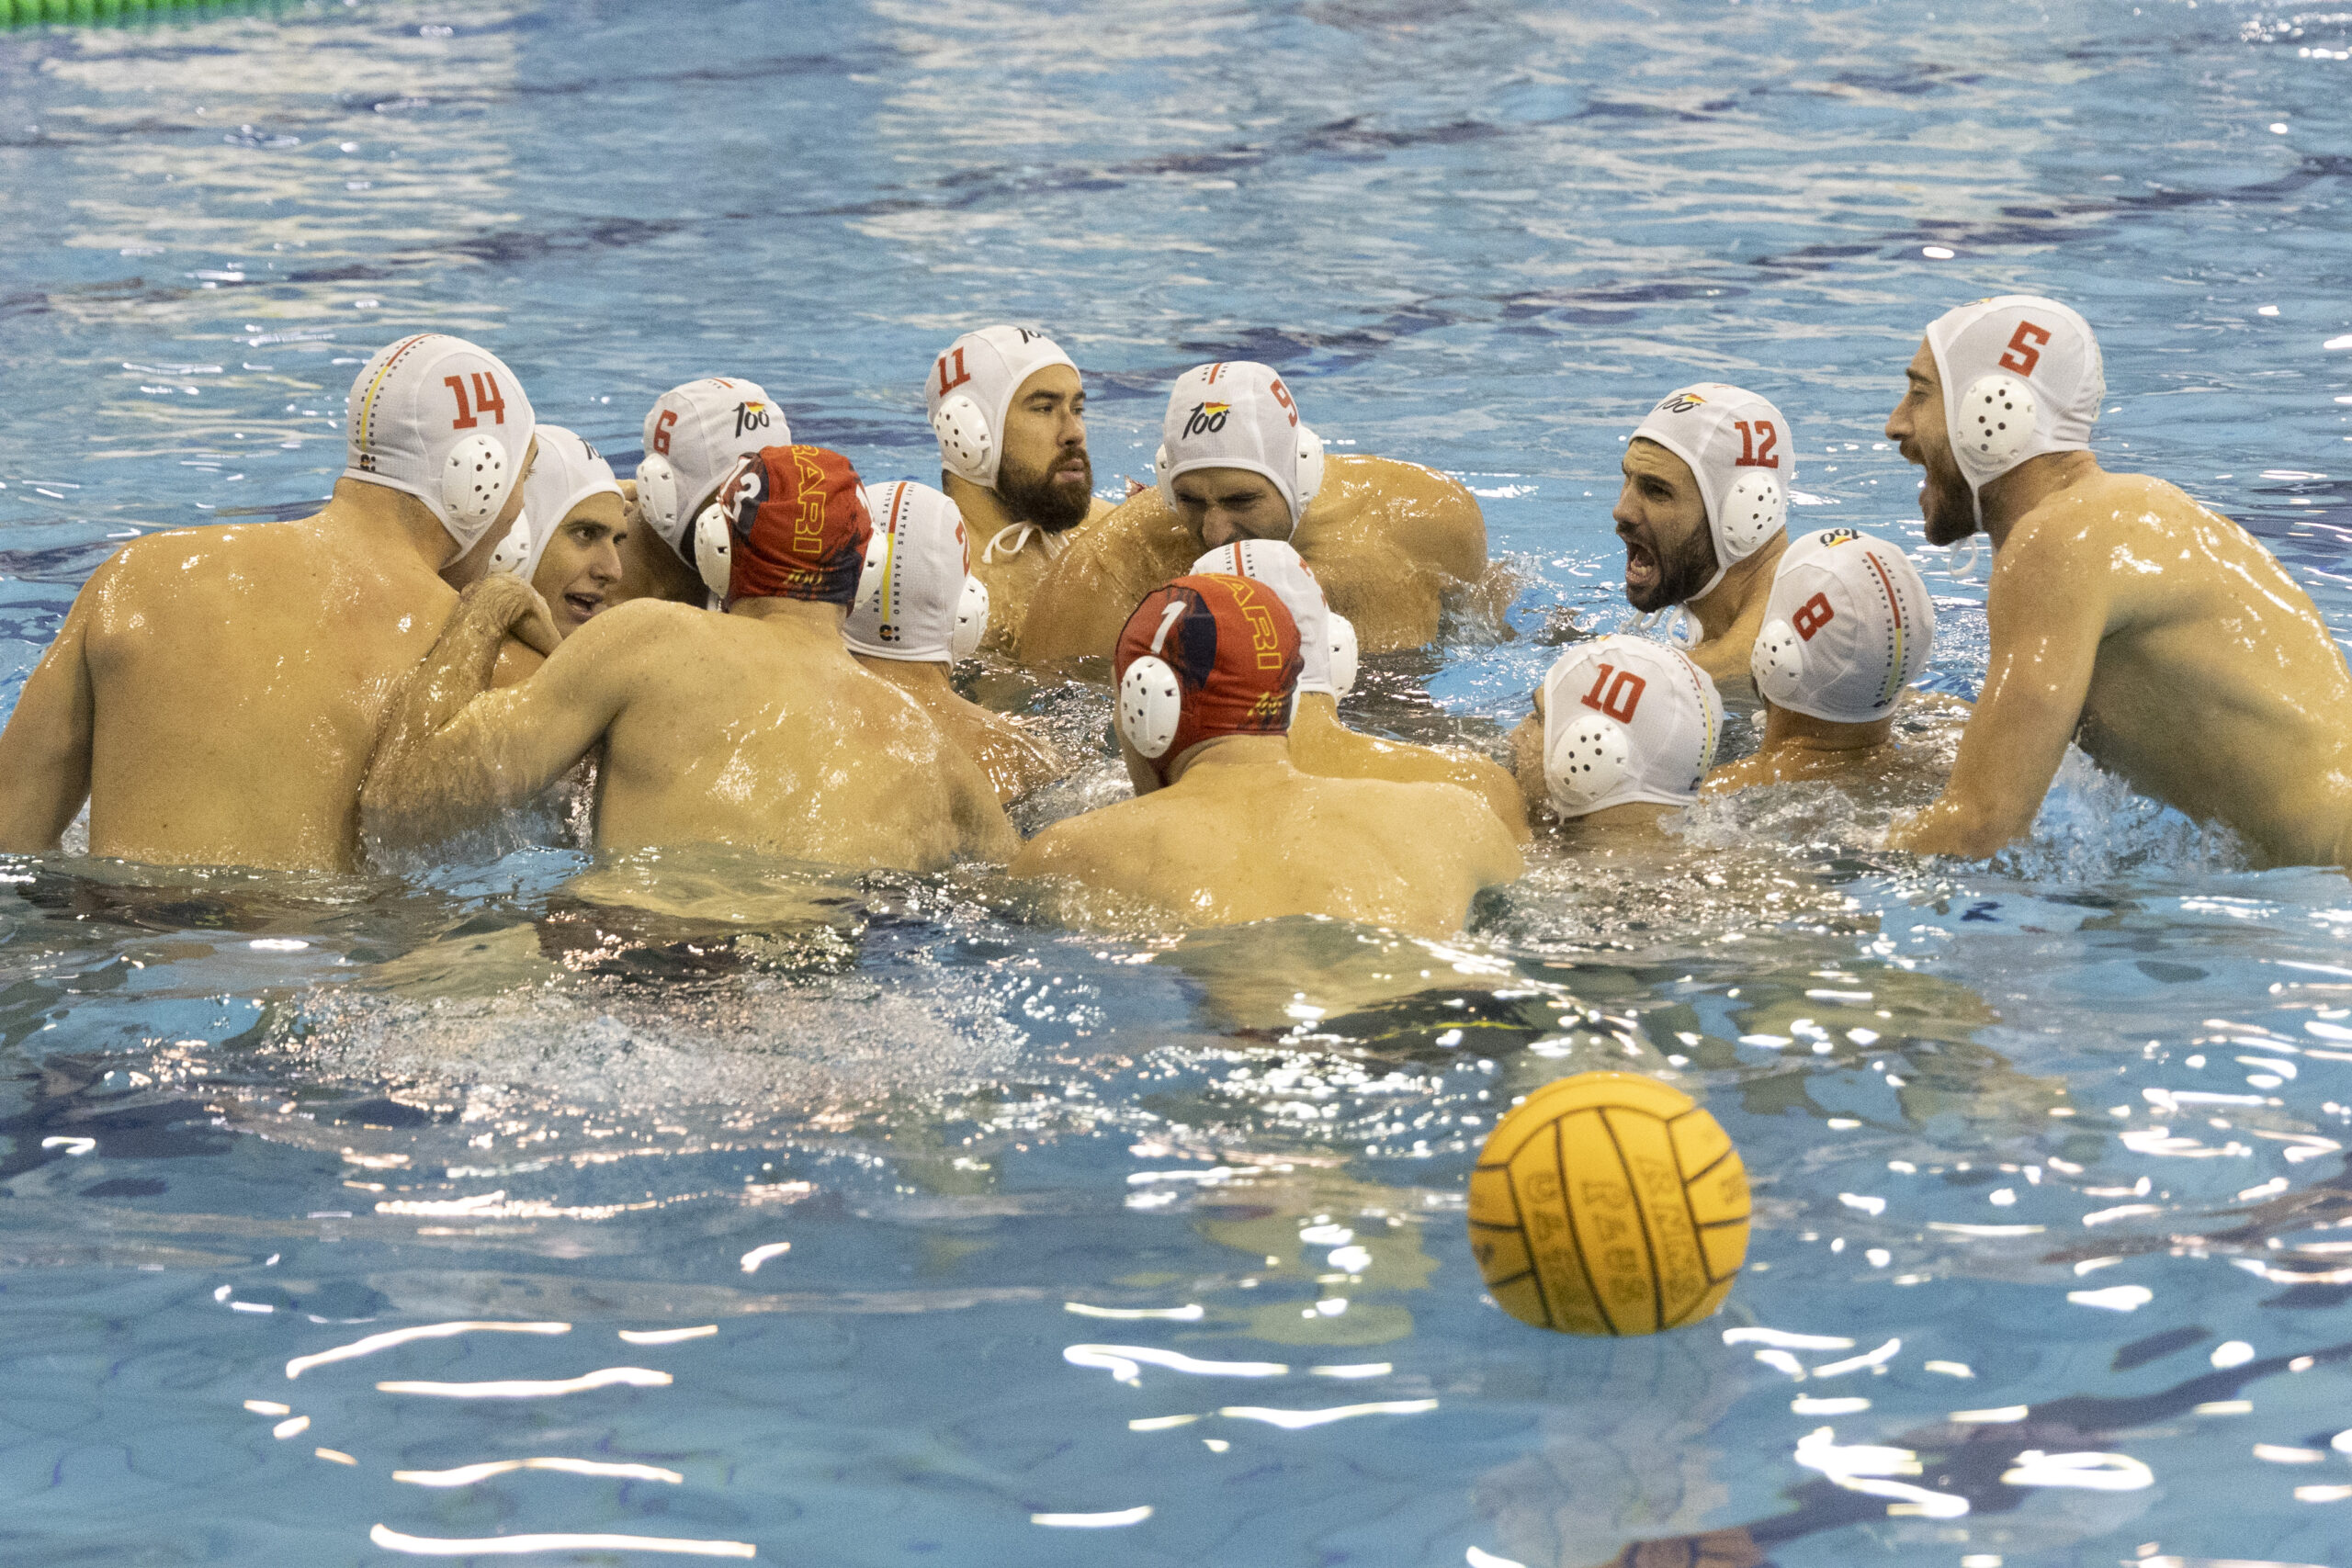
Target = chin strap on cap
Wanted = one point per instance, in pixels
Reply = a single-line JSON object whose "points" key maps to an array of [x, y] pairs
{"points": [[971, 619], [1590, 762]]}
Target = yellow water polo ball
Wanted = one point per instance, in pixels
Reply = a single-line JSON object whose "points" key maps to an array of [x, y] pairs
{"points": [[1608, 1203]]}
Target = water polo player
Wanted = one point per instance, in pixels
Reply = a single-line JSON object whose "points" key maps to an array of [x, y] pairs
{"points": [[1708, 476], [1320, 743], [2122, 615], [213, 692], [1223, 828], [1009, 411], [1848, 629], [567, 544], [1623, 731], [753, 729], [918, 611], [1391, 543], [695, 435]]}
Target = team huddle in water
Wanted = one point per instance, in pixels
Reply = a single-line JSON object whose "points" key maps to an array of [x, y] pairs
{"points": [[753, 648]]}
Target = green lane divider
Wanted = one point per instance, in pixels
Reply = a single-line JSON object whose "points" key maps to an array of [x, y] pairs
{"points": [[100, 13]]}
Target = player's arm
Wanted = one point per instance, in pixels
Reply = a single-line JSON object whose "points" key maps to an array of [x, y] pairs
{"points": [[1435, 520], [452, 754], [1078, 611], [2046, 611], [983, 831], [45, 750]]}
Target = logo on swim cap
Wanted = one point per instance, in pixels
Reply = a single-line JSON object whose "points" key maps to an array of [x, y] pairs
{"points": [[1829, 537], [1681, 402], [751, 416], [1207, 418]]}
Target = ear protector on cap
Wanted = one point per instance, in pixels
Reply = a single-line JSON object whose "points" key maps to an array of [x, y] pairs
{"points": [[1310, 466], [1754, 509], [971, 619], [1997, 417], [1151, 700], [1343, 654], [657, 495], [1590, 761], [473, 482], [507, 557], [713, 548], [965, 439], [1780, 654]]}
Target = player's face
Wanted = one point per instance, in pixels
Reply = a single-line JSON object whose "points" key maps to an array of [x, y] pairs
{"points": [[1917, 429], [1045, 476], [1222, 505], [582, 564], [1662, 518]]}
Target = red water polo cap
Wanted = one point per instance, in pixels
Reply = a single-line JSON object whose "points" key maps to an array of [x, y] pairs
{"points": [[1208, 654], [796, 526]]}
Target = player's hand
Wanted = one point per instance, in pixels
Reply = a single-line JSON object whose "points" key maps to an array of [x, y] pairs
{"points": [[514, 607]]}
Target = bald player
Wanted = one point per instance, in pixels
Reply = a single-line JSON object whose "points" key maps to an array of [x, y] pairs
{"points": [[1390, 542], [1847, 630], [695, 435], [1623, 731], [918, 611], [753, 729], [1224, 829], [567, 543], [1009, 411], [1708, 476], [2122, 615], [214, 692], [1320, 743]]}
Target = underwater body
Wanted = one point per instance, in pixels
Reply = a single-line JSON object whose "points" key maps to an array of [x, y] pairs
{"points": [[869, 1220]]}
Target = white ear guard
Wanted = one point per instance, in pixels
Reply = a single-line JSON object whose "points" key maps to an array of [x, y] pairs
{"points": [[1997, 417], [1778, 663], [473, 481], [971, 619], [657, 495], [965, 440], [506, 557], [1343, 654], [1310, 466], [1753, 510], [1588, 763], [713, 548], [1151, 704]]}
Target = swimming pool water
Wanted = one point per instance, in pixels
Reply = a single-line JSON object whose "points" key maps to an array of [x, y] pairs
{"points": [[1080, 1225]]}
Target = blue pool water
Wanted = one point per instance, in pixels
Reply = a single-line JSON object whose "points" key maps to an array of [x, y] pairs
{"points": [[1083, 1226]]}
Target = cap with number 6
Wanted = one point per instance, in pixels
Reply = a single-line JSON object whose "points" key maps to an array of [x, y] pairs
{"points": [[1627, 721], [1848, 626], [693, 435]]}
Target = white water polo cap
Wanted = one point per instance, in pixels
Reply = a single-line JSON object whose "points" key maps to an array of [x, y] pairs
{"points": [[1627, 721], [694, 434], [2021, 377], [971, 388], [445, 421], [567, 472], [1743, 453], [1325, 638], [1238, 414], [1848, 626], [917, 600]]}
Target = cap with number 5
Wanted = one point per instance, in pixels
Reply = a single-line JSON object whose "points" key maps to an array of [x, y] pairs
{"points": [[1848, 626], [1627, 721]]}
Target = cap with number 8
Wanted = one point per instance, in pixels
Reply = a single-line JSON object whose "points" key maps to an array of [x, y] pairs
{"points": [[1626, 721], [1848, 625]]}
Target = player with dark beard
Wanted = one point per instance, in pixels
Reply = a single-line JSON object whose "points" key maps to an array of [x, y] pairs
{"points": [[1707, 482], [1010, 413]]}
